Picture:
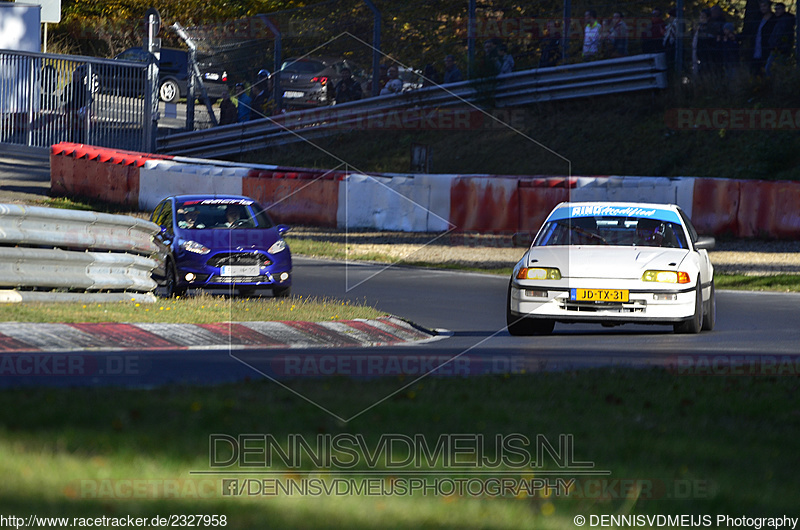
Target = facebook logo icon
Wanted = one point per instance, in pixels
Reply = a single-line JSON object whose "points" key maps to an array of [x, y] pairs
{"points": [[230, 486]]}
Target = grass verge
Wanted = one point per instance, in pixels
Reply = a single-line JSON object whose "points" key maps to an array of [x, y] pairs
{"points": [[780, 282], [200, 309], [685, 443]]}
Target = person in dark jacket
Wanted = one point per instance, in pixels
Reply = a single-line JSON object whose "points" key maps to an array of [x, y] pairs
{"points": [[227, 110], [347, 89], [551, 46], [761, 48], [781, 41]]}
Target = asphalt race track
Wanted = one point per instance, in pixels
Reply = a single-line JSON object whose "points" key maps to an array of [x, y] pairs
{"points": [[755, 331]]}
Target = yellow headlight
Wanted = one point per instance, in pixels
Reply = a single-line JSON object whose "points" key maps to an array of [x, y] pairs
{"points": [[539, 273], [666, 277]]}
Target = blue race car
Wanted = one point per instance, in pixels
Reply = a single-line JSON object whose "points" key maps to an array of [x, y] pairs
{"points": [[213, 241]]}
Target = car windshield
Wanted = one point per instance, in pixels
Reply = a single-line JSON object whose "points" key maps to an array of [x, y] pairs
{"points": [[200, 214], [303, 67], [619, 231]]}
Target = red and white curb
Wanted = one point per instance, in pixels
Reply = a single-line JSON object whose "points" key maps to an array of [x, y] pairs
{"points": [[384, 331]]}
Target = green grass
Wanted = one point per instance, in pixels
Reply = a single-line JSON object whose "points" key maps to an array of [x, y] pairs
{"points": [[199, 309], [781, 282], [719, 444]]}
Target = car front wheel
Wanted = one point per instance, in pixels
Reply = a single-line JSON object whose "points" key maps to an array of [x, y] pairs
{"points": [[169, 92], [522, 327], [710, 315], [694, 324], [171, 286]]}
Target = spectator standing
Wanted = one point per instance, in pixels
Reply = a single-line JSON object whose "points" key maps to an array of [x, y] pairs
{"points": [[729, 45], [671, 37], [430, 76], [591, 35], [551, 46], [451, 72], [506, 60], [262, 102], [491, 60], [394, 85], [781, 41], [227, 110], [702, 44], [716, 22], [243, 104], [347, 89], [654, 43], [763, 33], [383, 77], [618, 36]]}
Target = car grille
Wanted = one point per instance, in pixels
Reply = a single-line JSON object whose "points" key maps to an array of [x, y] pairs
{"points": [[637, 306], [239, 258], [238, 279]]}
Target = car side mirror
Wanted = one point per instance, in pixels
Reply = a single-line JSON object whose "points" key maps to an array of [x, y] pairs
{"points": [[282, 229], [705, 243]]}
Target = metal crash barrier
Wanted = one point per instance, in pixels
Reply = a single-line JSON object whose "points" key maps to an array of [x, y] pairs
{"points": [[49, 98], [597, 78], [47, 249]]}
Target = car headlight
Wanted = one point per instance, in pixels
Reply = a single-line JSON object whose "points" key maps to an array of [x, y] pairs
{"points": [[666, 277], [194, 246], [539, 273], [278, 246]]}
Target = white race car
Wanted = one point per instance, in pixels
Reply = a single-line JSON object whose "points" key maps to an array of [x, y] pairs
{"points": [[613, 263]]}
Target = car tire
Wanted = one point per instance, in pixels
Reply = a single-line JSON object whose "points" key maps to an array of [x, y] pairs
{"points": [[281, 292], [524, 327], [173, 290], [694, 324], [169, 91], [710, 314]]}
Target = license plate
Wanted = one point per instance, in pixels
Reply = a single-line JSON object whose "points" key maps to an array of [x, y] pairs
{"points": [[293, 94], [239, 270], [599, 295]]}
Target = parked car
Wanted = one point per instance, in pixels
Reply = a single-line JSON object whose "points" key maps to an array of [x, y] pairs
{"points": [[310, 81], [173, 75], [614, 263], [215, 241]]}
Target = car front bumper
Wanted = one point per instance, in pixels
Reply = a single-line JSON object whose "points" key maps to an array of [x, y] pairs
{"points": [[645, 305]]}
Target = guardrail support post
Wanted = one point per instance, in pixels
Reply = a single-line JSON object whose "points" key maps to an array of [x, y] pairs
{"points": [[376, 48]]}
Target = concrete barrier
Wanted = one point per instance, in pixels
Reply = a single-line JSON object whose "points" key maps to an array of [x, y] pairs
{"points": [[485, 204], [407, 203], [311, 199], [418, 203], [769, 209]]}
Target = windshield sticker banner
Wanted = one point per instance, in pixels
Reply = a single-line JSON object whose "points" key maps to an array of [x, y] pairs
{"points": [[605, 210]]}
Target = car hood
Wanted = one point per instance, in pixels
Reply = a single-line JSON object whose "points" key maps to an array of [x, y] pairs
{"points": [[603, 261], [222, 239]]}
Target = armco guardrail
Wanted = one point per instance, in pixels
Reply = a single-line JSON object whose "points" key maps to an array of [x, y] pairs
{"points": [[612, 76], [68, 249]]}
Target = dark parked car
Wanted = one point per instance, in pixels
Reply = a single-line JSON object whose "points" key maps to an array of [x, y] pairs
{"points": [[217, 241], [173, 75], [310, 81]]}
